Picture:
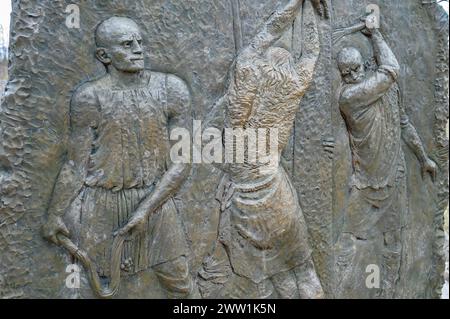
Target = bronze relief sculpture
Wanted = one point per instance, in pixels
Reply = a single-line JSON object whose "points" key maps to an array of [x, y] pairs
{"points": [[118, 165], [328, 166], [262, 229], [372, 107]]}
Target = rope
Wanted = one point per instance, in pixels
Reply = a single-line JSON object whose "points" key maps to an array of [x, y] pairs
{"points": [[104, 292]]}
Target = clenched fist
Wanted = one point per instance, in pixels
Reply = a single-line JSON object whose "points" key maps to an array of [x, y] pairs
{"points": [[53, 228]]}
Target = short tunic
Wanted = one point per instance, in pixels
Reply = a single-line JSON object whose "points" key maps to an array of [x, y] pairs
{"points": [[131, 145], [264, 231], [378, 198], [375, 140]]}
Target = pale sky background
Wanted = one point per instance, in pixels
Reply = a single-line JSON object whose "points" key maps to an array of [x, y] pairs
{"points": [[5, 9]]}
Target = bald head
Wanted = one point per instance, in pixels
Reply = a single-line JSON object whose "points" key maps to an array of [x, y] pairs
{"points": [[351, 65], [119, 45], [114, 28], [349, 56]]}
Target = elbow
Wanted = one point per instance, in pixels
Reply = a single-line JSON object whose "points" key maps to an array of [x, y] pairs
{"points": [[393, 69], [178, 174], [185, 170], [396, 70]]}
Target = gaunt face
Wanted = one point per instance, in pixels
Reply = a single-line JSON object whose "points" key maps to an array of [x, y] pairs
{"points": [[119, 42], [351, 66]]}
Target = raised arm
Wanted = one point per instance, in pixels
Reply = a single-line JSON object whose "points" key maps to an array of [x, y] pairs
{"points": [[274, 28], [73, 172], [243, 88], [374, 87], [311, 45], [383, 54], [282, 18]]}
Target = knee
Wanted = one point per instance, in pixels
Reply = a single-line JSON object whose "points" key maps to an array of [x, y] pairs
{"points": [[392, 240]]}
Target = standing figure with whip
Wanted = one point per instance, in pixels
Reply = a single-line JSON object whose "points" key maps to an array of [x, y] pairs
{"points": [[118, 168]]}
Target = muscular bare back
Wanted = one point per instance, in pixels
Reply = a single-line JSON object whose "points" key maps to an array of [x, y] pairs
{"points": [[265, 92]]}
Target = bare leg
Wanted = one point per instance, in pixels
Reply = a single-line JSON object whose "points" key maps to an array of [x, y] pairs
{"points": [[308, 282], [174, 276], [285, 284], [391, 263]]}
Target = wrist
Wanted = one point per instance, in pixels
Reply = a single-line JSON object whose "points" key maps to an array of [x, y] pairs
{"points": [[423, 158], [143, 212], [376, 34]]}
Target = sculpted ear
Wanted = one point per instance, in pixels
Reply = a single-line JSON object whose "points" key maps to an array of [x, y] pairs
{"points": [[103, 56]]}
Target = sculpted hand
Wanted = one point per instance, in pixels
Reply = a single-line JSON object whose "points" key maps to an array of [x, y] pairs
{"points": [[429, 167], [53, 228], [368, 20], [136, 223], [329, 145]]}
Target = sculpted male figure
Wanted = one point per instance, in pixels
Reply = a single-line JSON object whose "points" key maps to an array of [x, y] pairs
{"points": [[376, 120], [118, 164], [262, 230]]}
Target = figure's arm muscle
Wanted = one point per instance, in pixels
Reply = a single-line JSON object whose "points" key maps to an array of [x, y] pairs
{"points": [[243, 89], [274, 28], [311, 45], [73, 173], [410, 135]]}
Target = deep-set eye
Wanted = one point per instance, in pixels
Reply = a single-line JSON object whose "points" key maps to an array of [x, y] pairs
{"points": [[128, 44]]}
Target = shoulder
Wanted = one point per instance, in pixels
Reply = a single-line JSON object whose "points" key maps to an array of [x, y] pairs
{"points": [[246, 66], [83, 105], [173, 82], [176, 88], [86, 93], [247, 58], [345, 94], [349, 100]]}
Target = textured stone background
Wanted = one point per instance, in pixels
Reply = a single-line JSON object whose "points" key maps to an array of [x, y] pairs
{"points": [[194, 40]]}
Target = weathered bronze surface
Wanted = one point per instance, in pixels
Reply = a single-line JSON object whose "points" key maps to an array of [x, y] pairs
{"points": [[349, 203]]}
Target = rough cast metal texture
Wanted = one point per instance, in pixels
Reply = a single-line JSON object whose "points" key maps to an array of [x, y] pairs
{"points": [[194, 44]]}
